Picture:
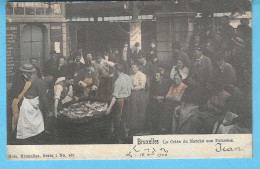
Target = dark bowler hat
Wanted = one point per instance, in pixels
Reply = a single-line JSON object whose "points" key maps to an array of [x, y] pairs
{"points": [[27, 68]]}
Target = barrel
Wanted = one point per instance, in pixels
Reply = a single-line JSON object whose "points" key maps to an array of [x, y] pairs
{"points": [[85, 130]]}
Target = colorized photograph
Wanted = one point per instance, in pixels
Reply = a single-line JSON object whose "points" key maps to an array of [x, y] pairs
{"points": [[103, 72]]}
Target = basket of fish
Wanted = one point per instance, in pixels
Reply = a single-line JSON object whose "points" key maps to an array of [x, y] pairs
{"points": [[83, 111], [83, 122]]}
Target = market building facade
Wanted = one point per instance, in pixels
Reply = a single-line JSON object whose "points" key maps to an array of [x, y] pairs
{"points": [[34, 29]]}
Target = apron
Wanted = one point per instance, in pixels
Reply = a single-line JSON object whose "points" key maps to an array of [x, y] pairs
{"points": [[15, 108], [30, 121]]}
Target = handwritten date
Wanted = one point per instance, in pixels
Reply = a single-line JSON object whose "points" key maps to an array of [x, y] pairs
{"points": [[147, 152]]}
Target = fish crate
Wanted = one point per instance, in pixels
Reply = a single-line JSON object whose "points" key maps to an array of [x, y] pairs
{"points": [[83, 130]]}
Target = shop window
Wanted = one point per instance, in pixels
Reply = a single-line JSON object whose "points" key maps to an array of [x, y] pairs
{"points": [[18, 8], [29, 8], [9, 8], [39, 8]]}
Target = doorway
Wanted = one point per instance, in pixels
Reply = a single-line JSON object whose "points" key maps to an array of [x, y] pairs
{"points": [[32, 45], [102, 36]]}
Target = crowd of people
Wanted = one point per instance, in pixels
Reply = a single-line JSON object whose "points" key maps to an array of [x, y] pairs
{"points": [[206, 91]]}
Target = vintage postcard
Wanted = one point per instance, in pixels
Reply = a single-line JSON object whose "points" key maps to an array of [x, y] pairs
{"points": [[129, 79]]}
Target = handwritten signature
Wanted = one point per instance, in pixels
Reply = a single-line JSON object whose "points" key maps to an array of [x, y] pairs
{"points": [[221, 148]]}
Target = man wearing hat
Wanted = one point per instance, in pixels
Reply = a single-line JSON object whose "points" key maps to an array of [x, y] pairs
{"points": [[29, 101], [20, 85], [137, 52]]}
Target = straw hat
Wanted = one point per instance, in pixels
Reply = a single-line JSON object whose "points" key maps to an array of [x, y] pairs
{"points": [[27, 68]]}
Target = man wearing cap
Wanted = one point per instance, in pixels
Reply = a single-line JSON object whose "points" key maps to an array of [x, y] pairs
{"points": [[122, 90]]}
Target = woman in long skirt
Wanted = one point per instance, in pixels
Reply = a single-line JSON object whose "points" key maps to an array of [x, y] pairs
{"points": [[135, 118]]}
